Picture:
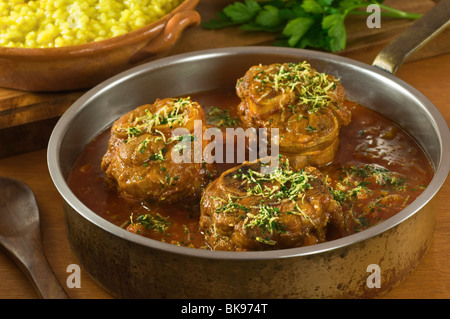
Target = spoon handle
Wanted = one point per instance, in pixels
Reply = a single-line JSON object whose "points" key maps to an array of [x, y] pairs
{"points": [[29, 256]]}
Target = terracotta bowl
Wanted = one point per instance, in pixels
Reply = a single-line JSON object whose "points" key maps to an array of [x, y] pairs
{"points": [[83, 66]]}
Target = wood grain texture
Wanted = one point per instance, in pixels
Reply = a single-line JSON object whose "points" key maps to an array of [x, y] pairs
{"points": [[429, 74]]}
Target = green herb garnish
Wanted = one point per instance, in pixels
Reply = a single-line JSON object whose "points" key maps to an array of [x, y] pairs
{"points": [[300, 23], [310, 87], [271, 188], [168, 114], [154, 222], [220, 118]]}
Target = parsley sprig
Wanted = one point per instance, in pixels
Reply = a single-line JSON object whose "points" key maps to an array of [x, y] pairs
{"points": [[300, 23]]}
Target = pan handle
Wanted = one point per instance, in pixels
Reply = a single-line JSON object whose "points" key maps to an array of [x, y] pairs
{"points": [[415, 37]]}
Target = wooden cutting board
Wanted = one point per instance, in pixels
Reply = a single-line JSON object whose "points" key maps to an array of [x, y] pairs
{"points": [[27, 118]]}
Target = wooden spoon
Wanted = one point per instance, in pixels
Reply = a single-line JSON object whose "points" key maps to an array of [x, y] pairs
{"points": [[20, 235]]}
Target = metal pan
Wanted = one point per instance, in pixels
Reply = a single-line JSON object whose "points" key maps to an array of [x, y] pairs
{"points": [[131, 266]]}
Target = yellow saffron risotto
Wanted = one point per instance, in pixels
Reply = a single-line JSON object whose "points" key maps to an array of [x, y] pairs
{"points": [[58, 23]]}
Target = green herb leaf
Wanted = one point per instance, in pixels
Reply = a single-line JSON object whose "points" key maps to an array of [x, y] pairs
{"points": [[242, 12], [334, 24], [269, 17], [296, 29], [312, 6]]}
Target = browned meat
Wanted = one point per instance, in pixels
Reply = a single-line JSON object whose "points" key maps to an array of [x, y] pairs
{"points": [[306, 106], [139, 161], [245, 210]]}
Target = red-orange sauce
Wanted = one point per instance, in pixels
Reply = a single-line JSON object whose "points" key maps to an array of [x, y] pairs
{"points": [[369, 139]]}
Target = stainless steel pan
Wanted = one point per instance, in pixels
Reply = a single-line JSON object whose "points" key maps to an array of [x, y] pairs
{"points": [[131, 266]]}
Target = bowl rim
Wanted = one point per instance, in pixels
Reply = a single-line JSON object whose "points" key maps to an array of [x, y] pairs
{"points": [[54, 146], [97, 47]]}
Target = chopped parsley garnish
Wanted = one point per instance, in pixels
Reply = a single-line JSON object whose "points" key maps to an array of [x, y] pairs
{"points": [[171, 113], [266, 219], [229, 206], [220, 118], [159, 156], [285, 183], [382, 176], [364, 190], [280, 184], [311, 88], [154, 222]]}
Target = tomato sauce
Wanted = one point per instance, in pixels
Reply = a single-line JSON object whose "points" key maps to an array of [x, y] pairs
{"points": [[378, 167]]}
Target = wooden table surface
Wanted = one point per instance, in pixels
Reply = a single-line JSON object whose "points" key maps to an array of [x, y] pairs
{"points": [[428, 72]]}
